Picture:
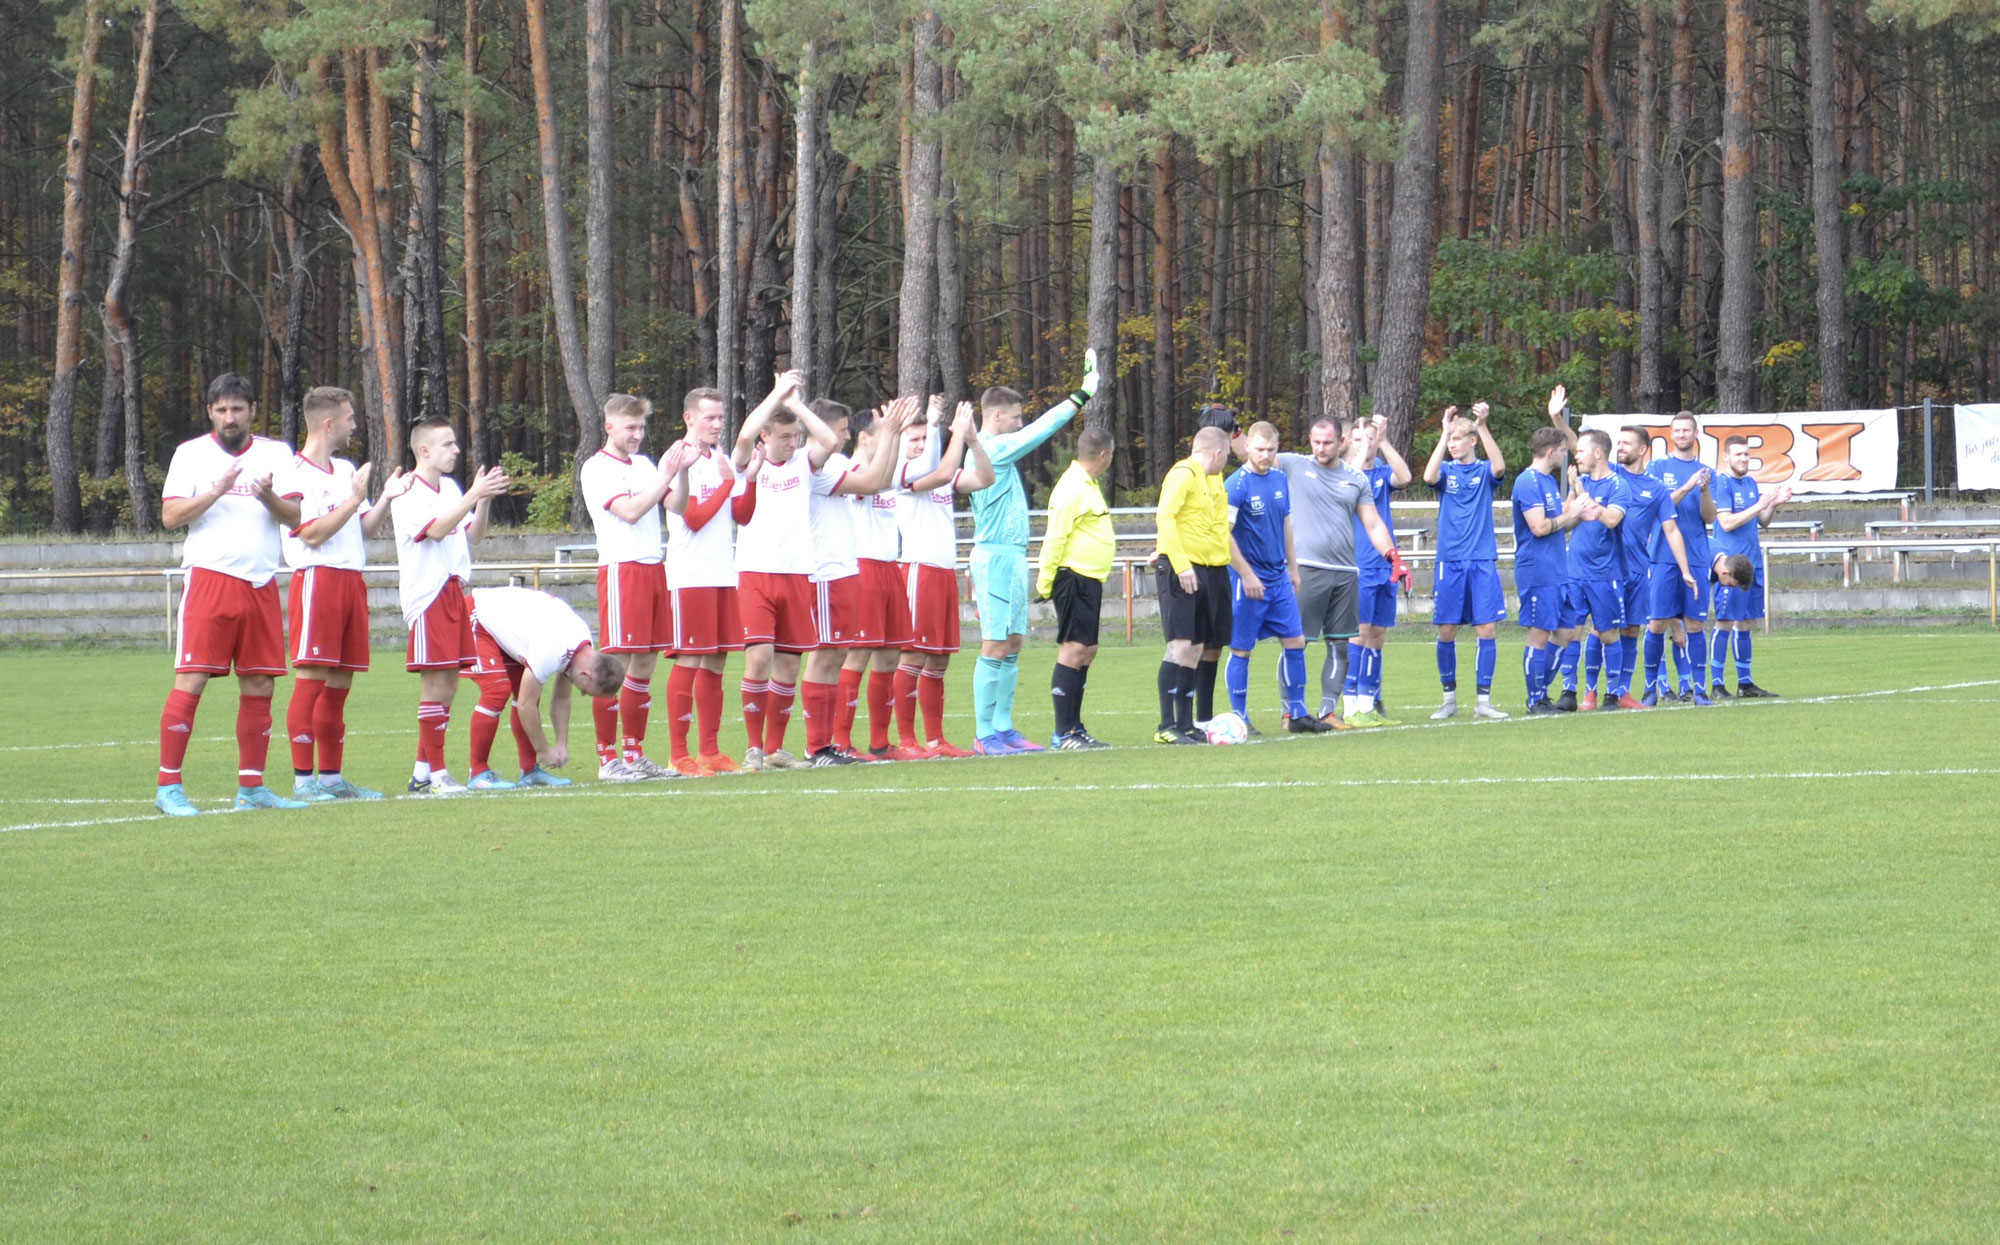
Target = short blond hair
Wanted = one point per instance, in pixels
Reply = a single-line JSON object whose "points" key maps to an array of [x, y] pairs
{"points": [[1462, 427], [1210, 439], [626, 406], [1264, 428], [324, 402]]}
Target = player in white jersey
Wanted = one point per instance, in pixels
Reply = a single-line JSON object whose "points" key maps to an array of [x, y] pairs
{"points": [[703, 509], [932, 481], [527, 640], [623, 491], [846, 613], [782, 446], [329, 597], [219, 487], [436, 524]]}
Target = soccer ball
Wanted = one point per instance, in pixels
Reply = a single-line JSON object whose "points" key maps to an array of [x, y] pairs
{"points": [[1228, 728]]}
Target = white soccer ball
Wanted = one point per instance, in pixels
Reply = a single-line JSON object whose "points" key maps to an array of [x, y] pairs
{"points": [[1228, 728]]}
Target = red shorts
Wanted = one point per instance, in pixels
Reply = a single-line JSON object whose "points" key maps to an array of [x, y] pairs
{"points": [[442, 638], [776, 610], [888, 597], [488, 658], [328, 612], [706, 621], [844, 615], [634, 614], [225, 623], [931, 593]]}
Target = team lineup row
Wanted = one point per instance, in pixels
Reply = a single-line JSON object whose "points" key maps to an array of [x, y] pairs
{"points": [[829, 565]]}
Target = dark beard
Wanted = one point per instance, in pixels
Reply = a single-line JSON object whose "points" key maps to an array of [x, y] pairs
{"points": [[242, 439]]}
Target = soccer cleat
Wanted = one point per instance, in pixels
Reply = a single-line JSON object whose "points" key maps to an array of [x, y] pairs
{"points": [[419, 786], [172, 800], [616, 770], [487, 780], [1719, 692], [345, 790], [1589, 701], [445, 786], [992, 746], [1485, 711], [1542, 708], [688, 767], [1172, 735], [1078, 740], [716, 763], [1566, 703], [308, 791], [1649, 701], [944, 749], [1747, 690], [1367, 719], [753, 760], [261, 796], [1019, 742], [1335, 722], [1699, 699], [539, 777], [647, 767], [830, 756], [1626, 702], [1448, 710], [898, 752], [778, 758], [1307, 725]]}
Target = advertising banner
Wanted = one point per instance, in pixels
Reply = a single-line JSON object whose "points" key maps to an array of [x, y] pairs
{"points": [[1978, 445], [1814, 452]]}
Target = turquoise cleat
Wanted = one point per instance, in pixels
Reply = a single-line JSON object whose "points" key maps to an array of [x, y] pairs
{"points": [[308, 791], [539, 777], [261, 796], [487, 780], [173, 801], [345, 790]]}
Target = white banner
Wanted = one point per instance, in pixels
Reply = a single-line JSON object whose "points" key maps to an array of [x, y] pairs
{"points": [[1978, 445], [1814, 452]]}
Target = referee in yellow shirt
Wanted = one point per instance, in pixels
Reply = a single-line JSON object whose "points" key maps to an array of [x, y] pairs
{"points": [[1077, 551], [1192, 572]]}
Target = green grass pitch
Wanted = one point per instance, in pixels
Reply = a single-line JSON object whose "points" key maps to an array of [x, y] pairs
{"points": [[1694, 974]]}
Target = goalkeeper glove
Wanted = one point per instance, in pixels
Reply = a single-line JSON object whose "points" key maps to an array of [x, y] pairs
{"points": [[1398, 572]]}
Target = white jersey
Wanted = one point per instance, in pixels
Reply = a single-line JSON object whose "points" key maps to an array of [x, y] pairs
{"points": [[928, 521], [237, 535], [705, 558], [876, 536], [532, 627], [320, 491], [833, 537], [426, 557], [778, 538], [607, 478]]}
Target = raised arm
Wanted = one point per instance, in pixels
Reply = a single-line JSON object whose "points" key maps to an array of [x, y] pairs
{"points": [[1559, 416], [820, 439], [318, 531], [1434, 469], [942, 469], [1399, 470], [1494, 458], [886, 451], [753, 427], [378, 517]]}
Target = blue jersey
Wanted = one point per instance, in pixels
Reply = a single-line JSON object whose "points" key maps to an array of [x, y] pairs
{"points": [[1373, 566], [1642, 518], [1465, 512], [1258, 506], [1734, 496], [1538, 560], [1674, 472], [1000, 510], [1596, 555]]}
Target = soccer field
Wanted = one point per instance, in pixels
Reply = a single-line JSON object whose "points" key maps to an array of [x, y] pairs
{"points": [[1689, 974]]}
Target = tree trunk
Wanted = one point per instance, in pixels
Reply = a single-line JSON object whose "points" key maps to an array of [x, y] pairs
{"points": [[766, 284], [473, 266], [1102, 306], [110, 412], [298, 256], [805, 222], [728, 175], [424, 350], [950, 300], [1603, 73], [1674, 197], [1645, 137], [1339, 379], [119, 323], [66, 496], [599, 289], [1411, 225], [1220, 254], [1466, 144], [583, 399], [917, 307], [1736, 349], [1827, 233], [695, 128]]}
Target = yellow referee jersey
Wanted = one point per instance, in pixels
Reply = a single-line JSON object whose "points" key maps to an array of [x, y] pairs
{"points": [[1193, 517], [1079, 533]]}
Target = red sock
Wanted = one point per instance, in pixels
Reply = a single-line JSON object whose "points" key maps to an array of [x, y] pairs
{"points": [[176, 728], [708, 709], [432, 719], [907, 677], [330, 726], [253, 739], [300, 714], [493, 693], [930, 694], [777, 714], [604, 715], [635, 701], [881, 694], [820, 701], [680, 709], [524, 752], [845, 708], [755, 696]]}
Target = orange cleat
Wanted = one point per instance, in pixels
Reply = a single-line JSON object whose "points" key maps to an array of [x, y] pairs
{"points": [[690, 767], [716, 763], [1337, 722], [1589, 701], [899, 752], [1629, 702], [944, 748]]}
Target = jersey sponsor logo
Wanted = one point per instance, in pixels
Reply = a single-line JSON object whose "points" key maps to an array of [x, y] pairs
{"points": [[783, 484]]}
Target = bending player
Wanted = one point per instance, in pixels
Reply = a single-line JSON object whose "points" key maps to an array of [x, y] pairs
{"points": [[1078, 548], [526, 640], [929, 532], [219, 487], [1466, 583], [704, 508], [329, 598], [1741, 509]]}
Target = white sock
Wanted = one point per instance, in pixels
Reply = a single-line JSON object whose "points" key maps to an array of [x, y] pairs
{"points": [[1364, 703], [329, 778], [441, 776], [420, 772], [1485, 698]]}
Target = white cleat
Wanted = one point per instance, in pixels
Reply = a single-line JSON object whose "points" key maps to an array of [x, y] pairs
{"points": [[753, 761], [647, 767], [1485, 712], [1449, 710], [781, 759], [442, 784], [616, 770]]}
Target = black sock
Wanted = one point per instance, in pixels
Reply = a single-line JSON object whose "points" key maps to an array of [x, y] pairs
{"points": [[1204, 688], [1066, 690], [1184, 703], [1170, 684], [1082, 685]]}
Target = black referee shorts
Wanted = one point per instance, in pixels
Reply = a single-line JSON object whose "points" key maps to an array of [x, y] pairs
{"points": [[1203, 615], [1078, 598]]}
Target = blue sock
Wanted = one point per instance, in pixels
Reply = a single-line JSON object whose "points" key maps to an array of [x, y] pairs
{"points": [[1554, 652], [1698, 657], [1628, 661], [1593, 663], [1538, 672], [1614, 664], [1681, 667], [985, 693], [1656, 651], [1448, 664], [1292, 680], [1236, 676], [1743, 657], [1489, 660], [1371, 678], [1354, 659], [1004, 688], [1718, 656], [1571, 654]]}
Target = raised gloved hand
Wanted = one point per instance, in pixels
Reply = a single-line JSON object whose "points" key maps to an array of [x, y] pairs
{"points": [[1399, 573]]}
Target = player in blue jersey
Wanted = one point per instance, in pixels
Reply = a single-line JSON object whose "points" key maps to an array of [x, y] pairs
{"points": [[1741, 508], [1001, 583], [1263, 573], [1466, 584], [1595, 592], [1541, 565], [1670, 599], [1647, 518], [1369, 453]]}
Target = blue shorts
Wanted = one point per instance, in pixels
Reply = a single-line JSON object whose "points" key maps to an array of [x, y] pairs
{"points": [[1600, 602], [1378, 604], [1633, 589], [1467, 594], [1540, 609], [1669, 597], [1739, 604], [1001, 587], [1276, 617]]}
